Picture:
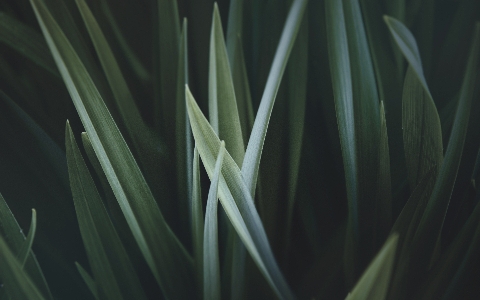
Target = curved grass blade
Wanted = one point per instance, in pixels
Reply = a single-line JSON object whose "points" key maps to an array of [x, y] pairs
{"points": [[236, 200], [422, 132], [222, 104], [374, 283], [135, 63], [109, 261], [253, 153], [166, 257], [431, 223], [211, 260], [17, 283], [26, 41], [406, 42], [27, 245], [197, 221], [92, 286], [13, 236]]}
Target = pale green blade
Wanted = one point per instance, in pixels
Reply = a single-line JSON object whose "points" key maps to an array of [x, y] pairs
{"points": [[92, 286], [431, 224], [383, 206], [22, 255], [166, 257], [16, 281], [197, 222], [236, 200], [253, 153], [211, 260], [222, 104], [297, 70], [422, 132], [135, 63], [406, 42], [13, 236], [26, 41], [108, 259], [374, 283]]}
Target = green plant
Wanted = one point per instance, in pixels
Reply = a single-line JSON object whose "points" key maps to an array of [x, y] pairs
{"points": [[322, 154]]}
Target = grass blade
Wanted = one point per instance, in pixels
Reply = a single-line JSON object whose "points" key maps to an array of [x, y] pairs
{"points": [[257, 138], [422, 132], [236, 200], [92, 286], [27, 245], [13, 236], [374, 283], [108, 259], [166, 257], [17, 283], [211, 260], [26, 41], [197, 221]]}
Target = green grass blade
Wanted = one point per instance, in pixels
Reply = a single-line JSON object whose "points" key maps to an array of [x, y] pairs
{"points": [[422, 132], [183, 133], [383, 206], [13, 236], [197, 221], [236, 200], [211, 260], [166, 257], [108, 259], [27, 245], [253, 153], [406, 42], [135, 63], [297, 70], [374, 283], [26, 41], [92, 286], [17, 283], [342, 90], [234, 28], [222, 104], [167, 59], [432, 220]]}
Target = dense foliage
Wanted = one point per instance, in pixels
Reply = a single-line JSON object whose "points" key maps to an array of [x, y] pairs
{"points": [[186, 149]]}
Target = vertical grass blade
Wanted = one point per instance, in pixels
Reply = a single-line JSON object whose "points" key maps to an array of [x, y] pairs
{"points": [[197, 222], [211, 260], [113, 271], [17, 282], [166, 257], [257, 138], [27, 245], [422, 132], [374, 283], [92, 286], [236, 200]]}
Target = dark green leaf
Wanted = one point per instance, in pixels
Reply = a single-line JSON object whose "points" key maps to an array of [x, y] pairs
{"points": [[92, 286]]}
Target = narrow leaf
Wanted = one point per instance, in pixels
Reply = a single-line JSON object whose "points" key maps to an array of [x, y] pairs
{"points": [[236, 200], [108, 259], [197, 221], [166, 257], [27, 245], [92, 286], [374, 283], [211, 260]]}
